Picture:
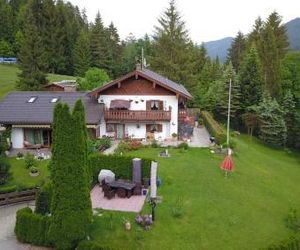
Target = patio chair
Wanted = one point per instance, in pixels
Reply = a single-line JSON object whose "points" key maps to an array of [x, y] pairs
{"points": [[137, 190], [109, 193], [121, 192], [129, 193], [105, 187]]}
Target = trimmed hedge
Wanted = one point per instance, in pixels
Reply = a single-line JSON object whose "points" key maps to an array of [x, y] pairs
{"points": [[120, 165], [213, 127], [32, 228], [8, 189], [91, 245], [292, 243], [43, 199]]}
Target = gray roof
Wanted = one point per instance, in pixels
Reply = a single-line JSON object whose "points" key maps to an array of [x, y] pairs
{"points": [[176, 86], [15, 109]]}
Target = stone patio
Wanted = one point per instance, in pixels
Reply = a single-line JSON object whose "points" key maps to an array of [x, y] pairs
{"points": [[133, 204]]}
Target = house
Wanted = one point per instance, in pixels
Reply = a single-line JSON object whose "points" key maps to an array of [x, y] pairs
{"points": [[64, 85], [29, 114], [139, 105]]}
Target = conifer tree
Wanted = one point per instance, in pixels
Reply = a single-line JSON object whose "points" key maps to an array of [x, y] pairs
{"points": [[71, 211], [172, 48], [250, 77], [82, 54], [237, 51], [272, 125], [32, 65]]}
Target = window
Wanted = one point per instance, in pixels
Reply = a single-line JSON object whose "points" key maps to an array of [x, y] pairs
{"points": [[32, 99], [110, 128], [154, 128], [54, 99], [154, 105]]}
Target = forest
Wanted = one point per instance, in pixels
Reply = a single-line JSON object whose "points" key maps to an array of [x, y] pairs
{"points": [[56, 37]]}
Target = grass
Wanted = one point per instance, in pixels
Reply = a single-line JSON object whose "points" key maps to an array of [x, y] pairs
{"points": [[20, 175], [9, 77], [245, 211]]}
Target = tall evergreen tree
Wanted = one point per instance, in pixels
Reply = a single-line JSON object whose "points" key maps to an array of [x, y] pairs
{"points": [[71, 211], [250, 77], [172, 48], [82, 54], [272, 125], [237, 50], [32, 65], [98, 43]]}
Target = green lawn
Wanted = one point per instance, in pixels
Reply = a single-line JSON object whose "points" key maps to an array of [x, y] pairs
{"points": [[245, 211], [20, 175], [9, 76]]}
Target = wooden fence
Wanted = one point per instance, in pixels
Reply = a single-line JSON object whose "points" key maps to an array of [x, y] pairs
{"points": [[15, 197]]}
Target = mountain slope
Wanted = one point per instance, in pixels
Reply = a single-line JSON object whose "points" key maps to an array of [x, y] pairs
{"points": [[293, 33]]}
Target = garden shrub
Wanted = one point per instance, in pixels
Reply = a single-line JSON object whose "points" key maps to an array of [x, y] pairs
{"points": [[30, 161], [183, 145], [99, 144], [292, 243], [120, 165], [32, 228], [213, 127], [43, 199], [4, 170], [129, 145], [8, 189], [91, 245]]}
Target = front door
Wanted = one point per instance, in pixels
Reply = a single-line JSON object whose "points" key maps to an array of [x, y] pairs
{"points": [[120, 131]]}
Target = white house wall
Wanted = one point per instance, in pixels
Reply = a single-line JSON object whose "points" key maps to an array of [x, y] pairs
{"points": [[137, 104], [17, 137]]}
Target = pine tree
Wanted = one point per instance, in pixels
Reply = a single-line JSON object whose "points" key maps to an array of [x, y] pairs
{"points": [[32, 65], [98, 44], [250, 77], [272, 125], [71, 211], [237, 51], [82, 54], [172, 48], [289, 111]]}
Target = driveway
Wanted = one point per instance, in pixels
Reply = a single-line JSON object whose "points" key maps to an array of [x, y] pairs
{"points": [[200, 138], [8, 239]]}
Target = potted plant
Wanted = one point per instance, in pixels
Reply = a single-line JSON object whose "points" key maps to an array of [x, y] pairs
{"points": [[20, 155], [34, 172]]}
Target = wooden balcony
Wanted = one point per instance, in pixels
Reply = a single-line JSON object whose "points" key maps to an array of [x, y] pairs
{"points": [[136, 115]]}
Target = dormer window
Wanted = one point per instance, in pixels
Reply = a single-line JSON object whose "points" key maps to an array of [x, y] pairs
{"points": [[32, 99], [54, 100]]}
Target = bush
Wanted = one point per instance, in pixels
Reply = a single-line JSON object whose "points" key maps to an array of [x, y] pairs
{"points": [[120, 165], [30, 161], [292, 243], [183, 145], [32, 228], [43, 199], [4, 170], [8, 189], [91, 245], [214, 127], [129, 145]]}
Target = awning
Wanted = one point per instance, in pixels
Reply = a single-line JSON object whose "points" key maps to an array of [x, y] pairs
{"points": [[119, 104], [31, 126]]}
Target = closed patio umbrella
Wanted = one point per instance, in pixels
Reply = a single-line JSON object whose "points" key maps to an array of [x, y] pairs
{"points": [[227, 164]]}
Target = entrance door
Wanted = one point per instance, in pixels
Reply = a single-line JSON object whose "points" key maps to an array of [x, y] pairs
{"points": [[120, 131]]}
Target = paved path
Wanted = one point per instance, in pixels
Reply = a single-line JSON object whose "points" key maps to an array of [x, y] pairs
{"points": [[200, 138], [8, 239], [114, 145]]}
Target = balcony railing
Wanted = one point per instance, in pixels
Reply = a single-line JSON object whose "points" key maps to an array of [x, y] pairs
{"points": [[182, 114], [137, 115]]}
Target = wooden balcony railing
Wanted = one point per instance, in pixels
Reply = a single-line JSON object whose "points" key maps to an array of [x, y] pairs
{"points": [[137, 115]]}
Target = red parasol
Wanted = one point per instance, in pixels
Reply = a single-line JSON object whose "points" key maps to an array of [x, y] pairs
{"points": [[227, 164]]}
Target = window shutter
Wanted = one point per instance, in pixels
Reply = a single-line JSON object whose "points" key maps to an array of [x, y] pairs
{"points": [[148, 105], [159, 127], [161, 105]]}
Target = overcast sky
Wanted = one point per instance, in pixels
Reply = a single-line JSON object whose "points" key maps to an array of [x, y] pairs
{"points": [[206, 20]]}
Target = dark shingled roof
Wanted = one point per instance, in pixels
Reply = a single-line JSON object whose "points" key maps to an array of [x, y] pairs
{"points": [[151, 75], [15, 109]]}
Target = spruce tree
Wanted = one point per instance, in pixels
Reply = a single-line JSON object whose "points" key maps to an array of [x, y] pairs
{"points": [[237, 50], [82, 54], [172, 48], [70, 206], [272, 127], [31, 57], [250, 77]]}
